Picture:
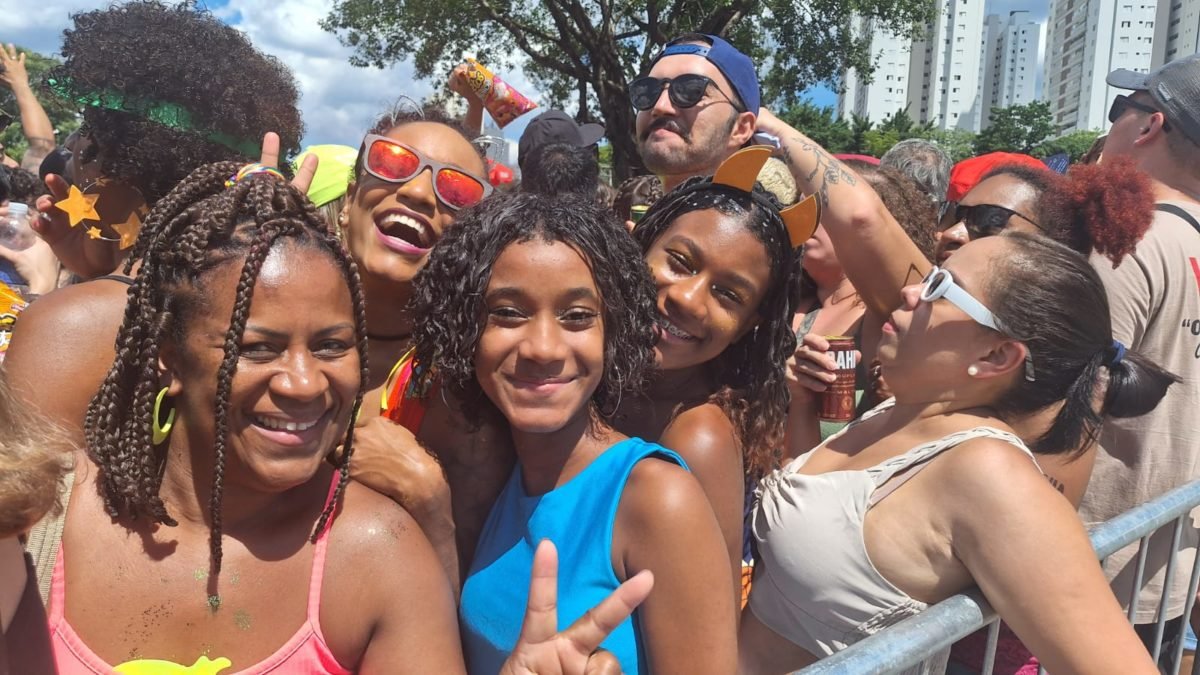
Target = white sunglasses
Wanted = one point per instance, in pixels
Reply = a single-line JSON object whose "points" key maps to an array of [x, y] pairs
{"points": [[939, 284]]}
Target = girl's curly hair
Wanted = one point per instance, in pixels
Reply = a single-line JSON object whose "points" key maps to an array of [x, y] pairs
{"points": [[750, 373], [197, 228], [448, 300], [175, 54]]}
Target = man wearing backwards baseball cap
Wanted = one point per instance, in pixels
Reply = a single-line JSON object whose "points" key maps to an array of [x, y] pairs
{"points": [[696, 107], [1155, 304]]}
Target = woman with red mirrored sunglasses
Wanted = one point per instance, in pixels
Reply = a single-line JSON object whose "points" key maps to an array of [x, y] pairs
{"points": [[416, 171]]}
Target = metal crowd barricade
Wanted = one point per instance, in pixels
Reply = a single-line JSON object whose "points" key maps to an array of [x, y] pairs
{"points": [[912, 643]]}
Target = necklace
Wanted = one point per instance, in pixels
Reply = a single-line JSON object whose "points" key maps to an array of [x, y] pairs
{"points": [[834, 300]]}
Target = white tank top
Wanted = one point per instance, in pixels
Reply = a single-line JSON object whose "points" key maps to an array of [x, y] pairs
{"points": [[814, 583]]}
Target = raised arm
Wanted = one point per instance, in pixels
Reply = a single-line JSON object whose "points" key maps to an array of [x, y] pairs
{"points": [[878, 256], [39, 132], [458, 84]]}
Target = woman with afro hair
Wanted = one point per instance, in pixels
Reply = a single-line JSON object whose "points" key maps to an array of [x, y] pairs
{"points": [[163, 89]]}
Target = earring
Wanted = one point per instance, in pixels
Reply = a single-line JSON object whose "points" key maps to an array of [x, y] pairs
{"points": [[972, 370], [161, 431]]}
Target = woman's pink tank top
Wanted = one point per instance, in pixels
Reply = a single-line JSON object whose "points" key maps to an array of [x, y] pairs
{"points": [[306, 653]]}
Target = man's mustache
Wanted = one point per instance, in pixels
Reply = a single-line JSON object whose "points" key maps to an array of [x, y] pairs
{"points": [[668, 124]]}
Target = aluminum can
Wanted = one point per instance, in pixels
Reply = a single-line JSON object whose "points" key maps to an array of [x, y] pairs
{"points": [[837, 402]]}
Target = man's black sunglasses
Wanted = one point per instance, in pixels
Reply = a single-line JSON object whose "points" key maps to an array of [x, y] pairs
{"points": [[1122, 103], [981, 220], [684, 91]]}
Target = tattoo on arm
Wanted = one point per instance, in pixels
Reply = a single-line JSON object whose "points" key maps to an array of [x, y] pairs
{"points": [[914, 275], [1057, 484], [831, 171]]}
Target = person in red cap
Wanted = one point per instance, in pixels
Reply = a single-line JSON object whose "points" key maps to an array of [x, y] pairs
{"points": [[988, 194]]}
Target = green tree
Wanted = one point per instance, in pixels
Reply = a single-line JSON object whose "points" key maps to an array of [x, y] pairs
{"points": [[859, 127], [1075, 144], [1018, 128], [904, 125], [587, 51], [958, 143], [820, 124], [63, 115], [894, 128], [881, 140]]}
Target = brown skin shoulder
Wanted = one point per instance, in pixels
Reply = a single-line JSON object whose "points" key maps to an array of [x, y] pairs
{"points": [[664, 524], [705, 438], [62, 349]]}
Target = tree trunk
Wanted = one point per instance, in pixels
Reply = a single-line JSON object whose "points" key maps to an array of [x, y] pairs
{"points": [[619, 118]]}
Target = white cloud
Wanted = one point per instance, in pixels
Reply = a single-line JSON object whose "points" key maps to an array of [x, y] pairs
{"points": [[38, 24], [338, 101]]}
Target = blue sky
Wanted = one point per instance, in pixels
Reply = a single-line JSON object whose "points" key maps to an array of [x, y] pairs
{"points": [[338, 100]]}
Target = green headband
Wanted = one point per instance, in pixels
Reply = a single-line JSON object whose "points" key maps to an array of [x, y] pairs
{"points": [[167, 114]]}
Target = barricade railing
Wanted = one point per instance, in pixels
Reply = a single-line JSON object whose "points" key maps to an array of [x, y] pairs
{"points": [[912, 643]]}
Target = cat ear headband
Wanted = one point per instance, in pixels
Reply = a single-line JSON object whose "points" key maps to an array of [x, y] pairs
{"points": [[740, 172]]}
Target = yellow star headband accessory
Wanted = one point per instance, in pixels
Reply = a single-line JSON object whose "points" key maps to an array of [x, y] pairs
{"points": [[740, 172], [80, 206]]}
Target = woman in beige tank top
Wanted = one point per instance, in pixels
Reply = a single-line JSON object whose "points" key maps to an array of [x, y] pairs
{"points": [[936, 493]]}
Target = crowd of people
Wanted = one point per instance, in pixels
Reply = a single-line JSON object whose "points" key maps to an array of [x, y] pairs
{"points": [[365, 408]]}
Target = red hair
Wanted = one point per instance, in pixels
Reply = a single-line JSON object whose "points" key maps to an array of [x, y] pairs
{"points": [[1104, 207]]}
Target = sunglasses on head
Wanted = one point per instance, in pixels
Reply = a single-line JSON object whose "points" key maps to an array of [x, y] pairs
{"points": [[394, 162], [1122, 103], [684, 91], [981, 220], [940, 284]]}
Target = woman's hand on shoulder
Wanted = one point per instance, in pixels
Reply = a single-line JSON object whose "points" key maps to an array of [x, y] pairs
{"points": [[388, 459], [392, 601]]}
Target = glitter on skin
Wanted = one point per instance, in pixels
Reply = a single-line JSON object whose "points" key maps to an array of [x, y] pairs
{"points": [[242, 619]]}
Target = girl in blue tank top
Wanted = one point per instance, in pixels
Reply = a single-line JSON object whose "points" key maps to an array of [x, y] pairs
{"points": [[539, 312]]}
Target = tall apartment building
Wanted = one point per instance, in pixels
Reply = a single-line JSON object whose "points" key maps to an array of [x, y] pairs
{"points": [[1010, 66], [887, 92], [1086, 40], [943, 82], [1176, 31]]}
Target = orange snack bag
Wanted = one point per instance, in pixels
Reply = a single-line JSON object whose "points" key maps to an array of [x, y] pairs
{"points": [[502, 102]]}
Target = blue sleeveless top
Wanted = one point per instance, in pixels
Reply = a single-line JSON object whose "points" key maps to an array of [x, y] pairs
{"points": [[578, 517]]}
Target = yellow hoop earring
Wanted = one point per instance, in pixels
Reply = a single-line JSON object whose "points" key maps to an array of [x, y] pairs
{"points": [[161, 431]]}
